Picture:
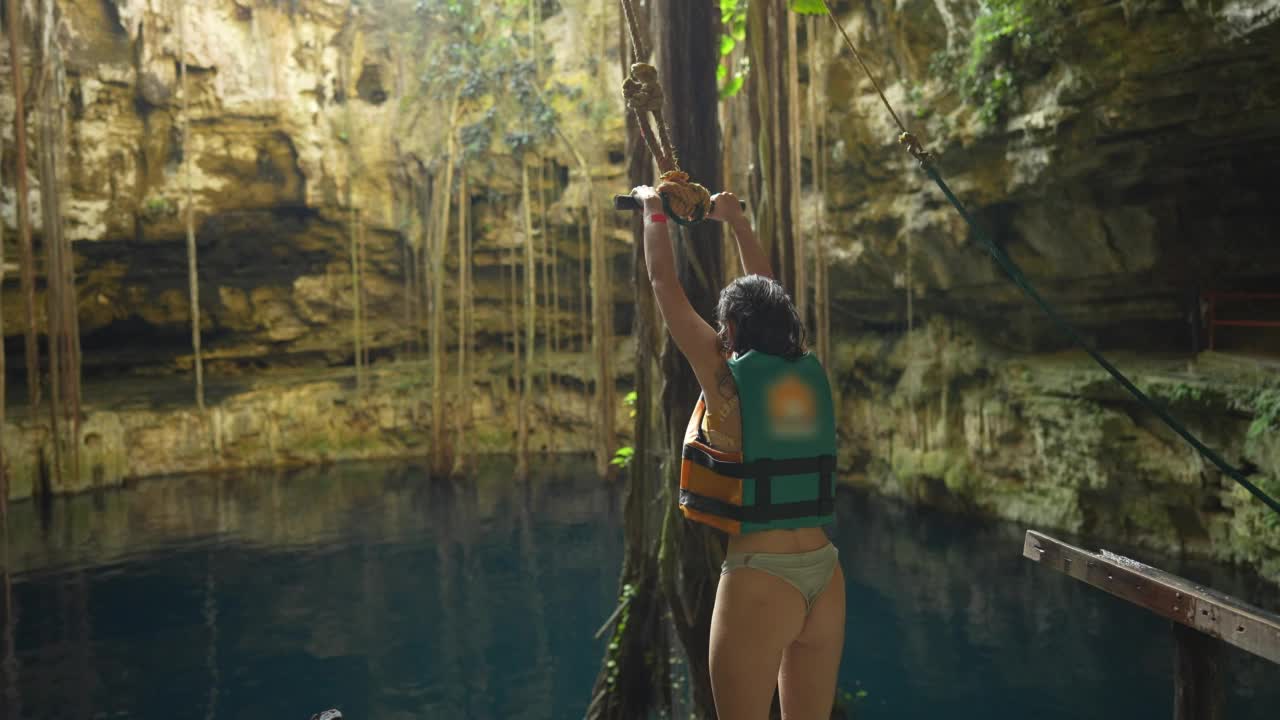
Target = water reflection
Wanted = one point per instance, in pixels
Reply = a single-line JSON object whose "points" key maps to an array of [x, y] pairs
{"points": [[375, 590], [367, 588], [946, 617]]}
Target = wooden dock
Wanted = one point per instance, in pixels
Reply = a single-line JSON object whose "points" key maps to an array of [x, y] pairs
{"points": [[1201, 616]]}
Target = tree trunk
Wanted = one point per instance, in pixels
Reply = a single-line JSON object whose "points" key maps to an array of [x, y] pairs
{"points": [[769, 43], [513, 293], [27, 254], [730, 122], [800, 289], [635, 676], [818, 168], [602, 337], [357, 334], [468, 275], [554, 310], [193, 278], [584, 321], [462, 390], [440, 463], [62, 324], [362, 254], [4, 382], [688, 562], [530, 323], [427, 215], [547, 316]]}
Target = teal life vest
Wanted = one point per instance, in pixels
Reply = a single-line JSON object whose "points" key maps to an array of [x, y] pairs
{"points": [[784, 478]]}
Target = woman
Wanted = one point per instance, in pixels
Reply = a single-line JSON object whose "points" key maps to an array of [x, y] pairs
{"points": [[758, 464]]}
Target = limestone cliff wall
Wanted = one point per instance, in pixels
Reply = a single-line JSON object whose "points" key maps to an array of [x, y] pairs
{"points": [[1125, 160], [1130, 163], [298, 117]]}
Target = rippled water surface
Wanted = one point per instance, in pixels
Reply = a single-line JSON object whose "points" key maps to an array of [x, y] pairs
{"points": [[372, 589]]}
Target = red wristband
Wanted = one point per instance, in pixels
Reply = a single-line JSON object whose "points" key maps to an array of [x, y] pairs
{"points": [[656, 218]]}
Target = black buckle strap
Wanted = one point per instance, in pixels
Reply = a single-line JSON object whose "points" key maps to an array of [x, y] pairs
{"points": [[823, 465], [827, 468], [758, 513], [719, 467], [790, 466]]}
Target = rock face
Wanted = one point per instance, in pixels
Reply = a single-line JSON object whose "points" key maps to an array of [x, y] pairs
{"points": [[945, 419], [296, 122], [1125, 173], [137, 429], [1127, 169]]}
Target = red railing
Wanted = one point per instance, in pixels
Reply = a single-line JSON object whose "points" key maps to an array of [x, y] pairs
{"points": [[1214, 297]]}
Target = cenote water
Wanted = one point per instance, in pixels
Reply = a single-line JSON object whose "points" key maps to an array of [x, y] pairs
{"points": [[371, 589]]}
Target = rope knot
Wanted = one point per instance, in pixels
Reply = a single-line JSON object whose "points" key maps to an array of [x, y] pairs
{"points": [[914, 147], [685, 201], [642, 89]]}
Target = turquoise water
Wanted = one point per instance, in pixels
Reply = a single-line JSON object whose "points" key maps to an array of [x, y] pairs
{"points": [[374, 590]]}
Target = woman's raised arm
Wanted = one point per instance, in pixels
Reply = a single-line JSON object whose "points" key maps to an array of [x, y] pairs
{"points": [[695, 338], [727, 209]]}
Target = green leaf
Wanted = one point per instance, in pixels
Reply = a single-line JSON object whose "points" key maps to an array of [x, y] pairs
{"points": [[727, 44], [623, 456], [732, 87], [721, 72], [809, 7], [739, 26]]}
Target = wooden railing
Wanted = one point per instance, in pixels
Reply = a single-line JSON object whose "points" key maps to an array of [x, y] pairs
{"points": [[1213, 298], [1201, 618]]}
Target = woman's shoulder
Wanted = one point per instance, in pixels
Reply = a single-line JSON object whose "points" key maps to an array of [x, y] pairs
{"points": [[726, 389], [722, 399]]}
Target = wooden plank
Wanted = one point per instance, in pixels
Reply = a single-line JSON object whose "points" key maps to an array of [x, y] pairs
{"points": [[1169, 596], [1197, 676]]}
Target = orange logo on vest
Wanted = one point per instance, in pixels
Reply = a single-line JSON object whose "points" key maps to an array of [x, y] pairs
{"points": [[793, 409]]}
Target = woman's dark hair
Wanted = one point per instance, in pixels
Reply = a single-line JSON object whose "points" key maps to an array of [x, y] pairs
{"points": [[763, 317]]}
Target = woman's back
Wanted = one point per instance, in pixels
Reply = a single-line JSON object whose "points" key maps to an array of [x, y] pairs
{"points": [[722, 426]]}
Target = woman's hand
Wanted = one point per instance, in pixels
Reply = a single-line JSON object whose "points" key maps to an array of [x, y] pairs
{"points": [[648, 197], [725, 207]]}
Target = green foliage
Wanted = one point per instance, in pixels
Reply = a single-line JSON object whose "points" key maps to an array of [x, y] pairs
{"points": [[630, 401], [1183, 392], [1012, 42], [915, 94], [622, 457], [158, 206], [1270, 485], [1267, 407], [733, 18], [480, 54], [808, 7], [847, 701], [615, 645]]}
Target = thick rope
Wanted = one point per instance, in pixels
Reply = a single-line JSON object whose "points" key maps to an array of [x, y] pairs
{"points": [[638, 49], [685, 201], [1015, 274]]}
